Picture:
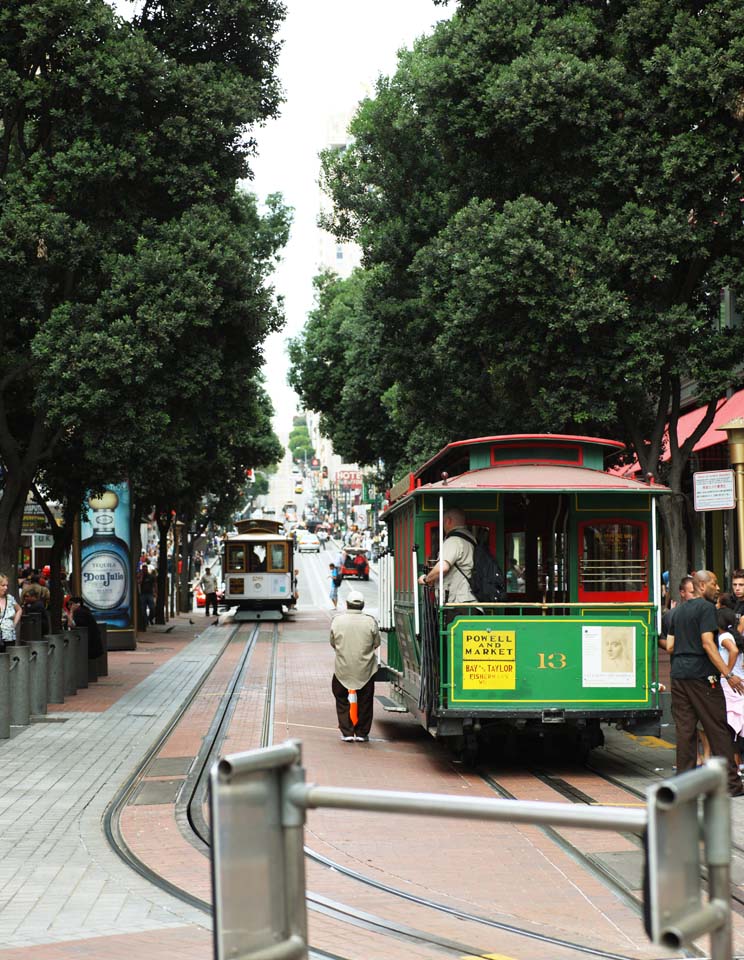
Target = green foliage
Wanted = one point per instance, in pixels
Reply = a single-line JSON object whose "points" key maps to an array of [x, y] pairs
{"points": [[134, 294], [548, 197]]}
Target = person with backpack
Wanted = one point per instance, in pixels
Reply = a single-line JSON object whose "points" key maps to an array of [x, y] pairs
{"points": [[336, 578], [456, 562]]}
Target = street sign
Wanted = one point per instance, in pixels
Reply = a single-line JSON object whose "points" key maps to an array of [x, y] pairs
{"points": [[349, 478], [714, 490], [34, 519]]}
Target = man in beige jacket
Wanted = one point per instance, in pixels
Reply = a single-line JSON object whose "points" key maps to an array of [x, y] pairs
{"points": [[355, 636]]}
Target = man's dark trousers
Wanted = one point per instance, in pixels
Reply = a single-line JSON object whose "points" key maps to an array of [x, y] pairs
{"points": [[365, 708], [694, 700], [210, 601]]}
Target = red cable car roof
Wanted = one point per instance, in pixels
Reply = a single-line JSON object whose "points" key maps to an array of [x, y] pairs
{"points": [[510, 438], [541, 477]]}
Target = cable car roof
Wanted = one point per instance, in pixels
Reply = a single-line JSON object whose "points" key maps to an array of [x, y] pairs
{"points": [[540, 477]]}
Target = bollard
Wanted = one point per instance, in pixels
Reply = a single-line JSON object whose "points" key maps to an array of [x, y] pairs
{"points": [[39, 682], [20, 709], [82, 657], [102, 661], [55, 668], [30, 627], [5, 696], [69, 663], [92, 669]]}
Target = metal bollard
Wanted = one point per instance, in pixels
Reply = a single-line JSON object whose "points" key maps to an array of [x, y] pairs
{"points": [[39, 681], [102, 661], [82, 657], [69, 663], [55, 668], [30, 627], [5, 696], [20, 706]]}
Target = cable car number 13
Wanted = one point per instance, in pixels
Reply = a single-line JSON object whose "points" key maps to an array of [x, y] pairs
{"points": [[551, 661]]}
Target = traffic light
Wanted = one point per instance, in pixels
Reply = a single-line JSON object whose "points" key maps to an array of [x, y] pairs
{"points": [[250, 474]]}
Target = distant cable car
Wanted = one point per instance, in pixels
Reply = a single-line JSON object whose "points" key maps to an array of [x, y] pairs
{"points": [[258, 569]]}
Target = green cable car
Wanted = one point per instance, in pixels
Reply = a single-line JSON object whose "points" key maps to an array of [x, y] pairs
{"points": [[571, 642]]}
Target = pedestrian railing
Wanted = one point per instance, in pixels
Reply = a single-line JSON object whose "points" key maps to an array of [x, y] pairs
{"points": [[258, 803]]}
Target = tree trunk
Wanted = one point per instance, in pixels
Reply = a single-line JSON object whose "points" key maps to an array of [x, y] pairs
{"points": [[161, 604], [673, 510], [187, 553], [61, 542], [12, 504]]}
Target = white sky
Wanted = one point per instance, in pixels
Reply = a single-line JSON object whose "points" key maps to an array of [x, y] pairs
{"points": [[333, 52]]}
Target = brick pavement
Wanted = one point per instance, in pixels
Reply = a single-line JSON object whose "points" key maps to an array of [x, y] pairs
{"points": [[64, 894], [60, 882]]}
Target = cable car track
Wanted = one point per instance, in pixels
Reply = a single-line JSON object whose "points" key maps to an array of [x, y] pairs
{"points": [[193, 824]]}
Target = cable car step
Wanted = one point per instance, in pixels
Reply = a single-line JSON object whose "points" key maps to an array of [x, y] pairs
{"points": [[390, 705], [554, 716]]}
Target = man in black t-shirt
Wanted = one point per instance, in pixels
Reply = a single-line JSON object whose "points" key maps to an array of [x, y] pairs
{"points": [[696, 680]]}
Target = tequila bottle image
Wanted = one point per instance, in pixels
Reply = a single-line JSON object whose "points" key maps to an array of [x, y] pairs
{"points": [[104, 564]]}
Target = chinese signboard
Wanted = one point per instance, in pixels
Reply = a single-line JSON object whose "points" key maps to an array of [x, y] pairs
{"points": [[714, 490]]}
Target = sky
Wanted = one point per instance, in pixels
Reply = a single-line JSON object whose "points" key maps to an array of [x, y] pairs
{"points": [[333, 51]]}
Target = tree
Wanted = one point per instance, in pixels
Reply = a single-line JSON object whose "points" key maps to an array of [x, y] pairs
{"points": [[115, 138], [548, 196]]}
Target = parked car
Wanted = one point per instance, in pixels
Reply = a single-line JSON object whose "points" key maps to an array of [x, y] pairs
{"points": [[308, 543], [356, 564]]}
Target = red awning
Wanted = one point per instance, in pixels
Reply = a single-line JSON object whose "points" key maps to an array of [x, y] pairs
{"points": [[728, 409]]}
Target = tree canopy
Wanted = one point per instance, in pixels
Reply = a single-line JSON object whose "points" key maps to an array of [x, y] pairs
{"points": [[548, 197], [134, 275]]}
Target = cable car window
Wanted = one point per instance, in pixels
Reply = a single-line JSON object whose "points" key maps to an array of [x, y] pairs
{"points": [[613, 557], [257, 558], [236, 559], [277, 557], [515, 562]]}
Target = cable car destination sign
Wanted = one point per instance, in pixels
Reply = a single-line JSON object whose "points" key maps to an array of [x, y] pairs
{"points": [[714, 490]]}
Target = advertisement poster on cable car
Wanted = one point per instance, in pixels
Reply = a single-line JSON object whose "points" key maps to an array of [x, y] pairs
{"points": [[105, 556]]}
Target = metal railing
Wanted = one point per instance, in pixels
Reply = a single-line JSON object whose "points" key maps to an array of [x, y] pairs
{"points": [[258, 803]]}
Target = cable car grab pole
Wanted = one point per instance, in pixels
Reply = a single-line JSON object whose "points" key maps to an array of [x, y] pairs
{"points": [[441, 550]]}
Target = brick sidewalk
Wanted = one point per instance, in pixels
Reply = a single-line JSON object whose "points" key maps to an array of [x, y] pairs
{"points": [[60, 882], [65, 895]]}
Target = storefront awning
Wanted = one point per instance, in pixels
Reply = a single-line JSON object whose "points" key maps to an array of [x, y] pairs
{"points": [[728, 409]]}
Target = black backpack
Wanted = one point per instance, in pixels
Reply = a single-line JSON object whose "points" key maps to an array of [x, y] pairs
{"points": [[487, 582], [338, 578]]}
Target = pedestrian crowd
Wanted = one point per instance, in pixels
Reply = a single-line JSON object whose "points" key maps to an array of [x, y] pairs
{"points": [[704, 634]]}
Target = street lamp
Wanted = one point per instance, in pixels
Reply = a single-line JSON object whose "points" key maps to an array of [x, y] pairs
{"points": [[735, 435]]}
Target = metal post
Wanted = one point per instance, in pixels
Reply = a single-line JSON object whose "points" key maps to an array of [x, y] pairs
{"points": [[39, 683], [69, 663], [441, 550], [4, 696], [20, 708], [717, 835], [102, 661], [735, 436], [55, 670], [82, 657], [293, 821], [415, 588], [30, 627]]}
